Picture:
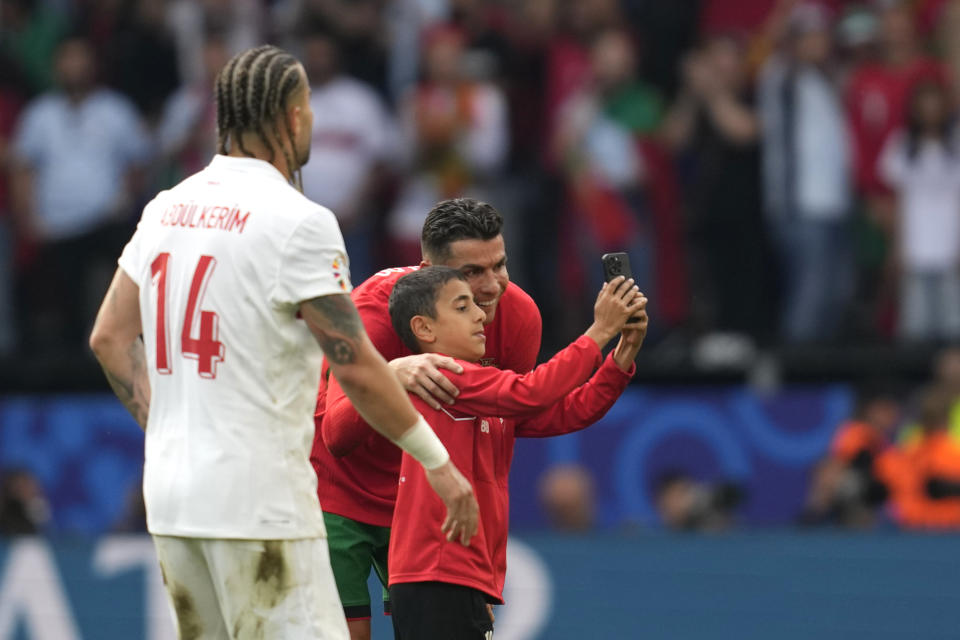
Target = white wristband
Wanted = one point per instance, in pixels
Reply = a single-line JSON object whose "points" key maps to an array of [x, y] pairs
{"points": [[423, 444]]}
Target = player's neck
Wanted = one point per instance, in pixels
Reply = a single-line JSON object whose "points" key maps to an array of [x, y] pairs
{"points": [[257, 149]]}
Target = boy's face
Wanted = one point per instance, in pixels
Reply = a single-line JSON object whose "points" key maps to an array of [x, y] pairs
{"points": [[457, 330]]}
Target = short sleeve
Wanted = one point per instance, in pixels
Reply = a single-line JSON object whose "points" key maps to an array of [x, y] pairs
{"points": [[314, 261], [131, 259]]}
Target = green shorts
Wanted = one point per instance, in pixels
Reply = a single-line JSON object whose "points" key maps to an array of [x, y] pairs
{"points": [[355, 548]]}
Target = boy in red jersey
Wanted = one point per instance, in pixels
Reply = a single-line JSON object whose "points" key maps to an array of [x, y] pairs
{"points": [[357, 482], [440, 590]]}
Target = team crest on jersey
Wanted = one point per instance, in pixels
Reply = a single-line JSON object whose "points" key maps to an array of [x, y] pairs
{"points": [[340, 271], [487, 362]]}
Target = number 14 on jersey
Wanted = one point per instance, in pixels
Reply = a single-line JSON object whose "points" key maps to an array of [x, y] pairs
{"points": [[205, 347]]}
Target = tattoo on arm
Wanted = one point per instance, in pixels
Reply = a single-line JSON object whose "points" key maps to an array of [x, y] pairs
{"points": [[341, 329], [133, 392]]}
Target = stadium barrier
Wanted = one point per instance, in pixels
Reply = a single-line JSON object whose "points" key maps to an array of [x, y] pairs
{"points": [[783, 585], [87, 452]]}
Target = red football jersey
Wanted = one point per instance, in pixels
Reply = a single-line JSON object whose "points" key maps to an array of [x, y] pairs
{"points": [[493, 408], [362, 485]]}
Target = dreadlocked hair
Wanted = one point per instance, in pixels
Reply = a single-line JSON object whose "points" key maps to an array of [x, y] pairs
{"points": [[251, 92]]}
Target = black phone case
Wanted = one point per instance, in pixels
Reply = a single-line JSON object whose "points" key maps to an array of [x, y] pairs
{"points": [[616, 264]]}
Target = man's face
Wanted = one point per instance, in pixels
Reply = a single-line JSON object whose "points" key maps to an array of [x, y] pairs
{"points": [[458, 327], [75, 67], [484, 263]]}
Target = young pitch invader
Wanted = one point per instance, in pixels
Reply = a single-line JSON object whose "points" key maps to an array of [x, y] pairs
{"points": [[439, 590]]}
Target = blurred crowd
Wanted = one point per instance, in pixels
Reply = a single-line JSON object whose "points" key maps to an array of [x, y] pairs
{"points": [[779, 171], [897, 460], [893, 464]]}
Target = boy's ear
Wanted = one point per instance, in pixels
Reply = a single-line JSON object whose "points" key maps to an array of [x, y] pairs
{"points": [[422, 329]]}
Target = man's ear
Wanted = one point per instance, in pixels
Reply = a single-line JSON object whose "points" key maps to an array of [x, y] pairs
{"points": [[293, 119], [422, 328]]}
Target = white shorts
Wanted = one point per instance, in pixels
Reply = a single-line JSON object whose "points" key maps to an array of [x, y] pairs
{"points": [[251, 589]]}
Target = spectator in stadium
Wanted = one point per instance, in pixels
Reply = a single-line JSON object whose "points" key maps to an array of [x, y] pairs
{"points": [[567, 494], [846, 487], [808, 178], [713, 127], [921, 163], [444, 594], [598, 144], [568, 50], [361, 28], [946, 376], [239, 22], [140, 59], [24, 509], [857, 39], [925, 477], [686, 504], [454, 135], [877, 97], [76, 158], [353, 139], [187, 131], [878, 93]]}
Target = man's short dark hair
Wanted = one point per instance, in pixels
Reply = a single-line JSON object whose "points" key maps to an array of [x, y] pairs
{"points": [[415, 294], [457, 219]]}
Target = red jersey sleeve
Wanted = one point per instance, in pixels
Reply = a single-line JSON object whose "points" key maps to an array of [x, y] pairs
{"points": [[587, 404], [500, 392], [342, 428]]}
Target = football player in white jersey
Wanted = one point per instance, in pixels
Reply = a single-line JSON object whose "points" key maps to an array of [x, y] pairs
{"points": [[230, 291]]}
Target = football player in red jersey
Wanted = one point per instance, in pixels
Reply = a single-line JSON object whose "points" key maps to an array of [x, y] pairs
{"points": [[357, 470]]}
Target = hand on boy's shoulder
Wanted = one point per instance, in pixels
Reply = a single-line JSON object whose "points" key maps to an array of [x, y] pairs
{"points": [[428, 376]]}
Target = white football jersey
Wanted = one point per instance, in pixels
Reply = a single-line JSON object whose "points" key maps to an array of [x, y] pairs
{"points": [[222, 261]]}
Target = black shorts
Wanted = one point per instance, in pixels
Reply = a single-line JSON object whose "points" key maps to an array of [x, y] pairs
{"points": [[439, 610]]}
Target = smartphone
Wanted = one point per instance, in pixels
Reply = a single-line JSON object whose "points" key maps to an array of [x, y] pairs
{"points": [[616, 264]]}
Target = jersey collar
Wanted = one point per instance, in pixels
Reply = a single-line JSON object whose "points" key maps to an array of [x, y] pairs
{"points": [[221, 162]]}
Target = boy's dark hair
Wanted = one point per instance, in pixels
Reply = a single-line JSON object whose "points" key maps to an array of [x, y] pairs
{"points": [[415, 294], [457, 219], [251, 92]]}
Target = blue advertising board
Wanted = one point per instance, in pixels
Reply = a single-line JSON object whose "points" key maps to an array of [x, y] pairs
{"points": [[749, 586], [764, 444], [87, 452]]}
